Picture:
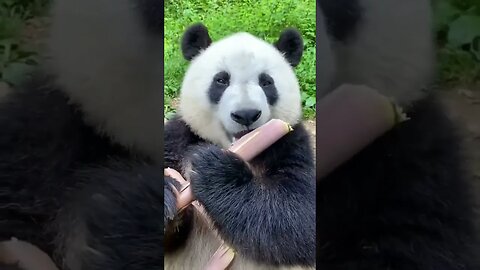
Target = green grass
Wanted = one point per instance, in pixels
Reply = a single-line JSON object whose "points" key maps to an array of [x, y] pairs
{"points": [[457, 25], [16, 57], [265, 19]]}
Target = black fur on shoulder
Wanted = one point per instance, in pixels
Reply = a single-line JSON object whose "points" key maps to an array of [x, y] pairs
{"points": [[195, 39], [290, 43], [266, 212], [178, 137], [402, 203]]}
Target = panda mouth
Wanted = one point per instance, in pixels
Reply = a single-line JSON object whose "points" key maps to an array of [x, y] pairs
{"points": [[240, 134]]}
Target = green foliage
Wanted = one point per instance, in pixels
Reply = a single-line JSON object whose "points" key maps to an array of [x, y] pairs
{"points": [[265, 19], [457, 24], [16, 59]]}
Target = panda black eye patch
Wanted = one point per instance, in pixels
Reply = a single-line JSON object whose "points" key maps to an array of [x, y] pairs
{"points": [[268, 85], [219, 83]]}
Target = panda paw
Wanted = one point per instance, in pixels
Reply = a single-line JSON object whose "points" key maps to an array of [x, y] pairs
{"points": [[170, 207], [213, 171]]}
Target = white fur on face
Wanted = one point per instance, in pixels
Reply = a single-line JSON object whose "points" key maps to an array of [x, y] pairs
{"points": [[391, 52], [244, 91], [106, 62], [244, 57], [236, 98]]}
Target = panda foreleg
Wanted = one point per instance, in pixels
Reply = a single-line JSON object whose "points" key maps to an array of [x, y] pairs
{"points": [[178, 137], [269, 216]]}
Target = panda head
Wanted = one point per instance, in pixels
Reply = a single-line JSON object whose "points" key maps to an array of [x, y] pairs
{"points": [[238, 83]]}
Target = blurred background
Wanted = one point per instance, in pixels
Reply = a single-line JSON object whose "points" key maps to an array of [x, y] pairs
{"points": [[23, 25]]}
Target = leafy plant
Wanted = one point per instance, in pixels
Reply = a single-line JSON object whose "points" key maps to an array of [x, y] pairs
{"points": [[16, 58], [457, 24]]}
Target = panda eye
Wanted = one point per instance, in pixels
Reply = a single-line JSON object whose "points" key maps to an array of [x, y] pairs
{"points": [[222, 78], [265, 80], [221, 81], [266, 83]]}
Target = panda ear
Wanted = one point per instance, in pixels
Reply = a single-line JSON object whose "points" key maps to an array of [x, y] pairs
{"points": [[195, 39], [291, 44]]}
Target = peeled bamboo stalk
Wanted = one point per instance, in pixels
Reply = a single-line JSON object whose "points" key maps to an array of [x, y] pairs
{"points": [[348, 119]]}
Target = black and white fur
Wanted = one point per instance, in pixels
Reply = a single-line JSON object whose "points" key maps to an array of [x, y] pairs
{"points": [[264, 210], [405, 201], [87, 189], [81, 149], [81, 143]]}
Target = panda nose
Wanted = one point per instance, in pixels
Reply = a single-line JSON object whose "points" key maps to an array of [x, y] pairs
{"points": [[246, 117]]}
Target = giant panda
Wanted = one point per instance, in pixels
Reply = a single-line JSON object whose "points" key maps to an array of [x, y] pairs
{"points": [[405, 201], [264, 210], [81, 147], [80, 178]]}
